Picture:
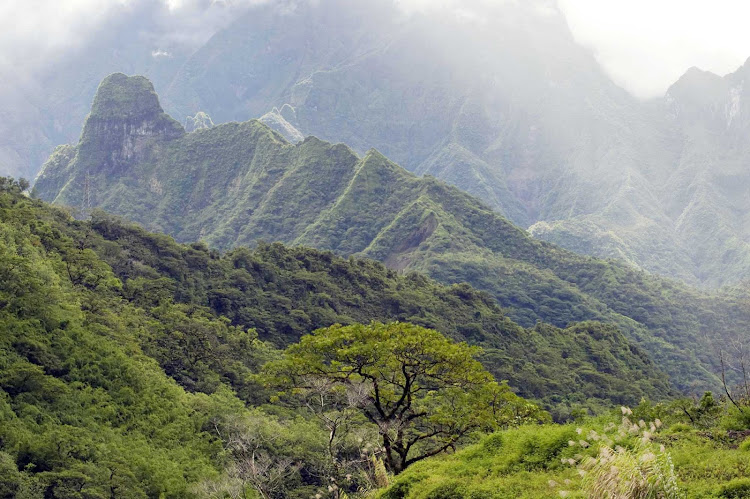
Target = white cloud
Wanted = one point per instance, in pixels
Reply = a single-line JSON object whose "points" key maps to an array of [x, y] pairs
{"points": [[32, 32], [156, 54], [31, 29], [461, 6], [646, 45]]}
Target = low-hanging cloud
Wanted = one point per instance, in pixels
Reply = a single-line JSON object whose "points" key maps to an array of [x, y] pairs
{"points": [[646, 45], [31, 30], [34, 32]]}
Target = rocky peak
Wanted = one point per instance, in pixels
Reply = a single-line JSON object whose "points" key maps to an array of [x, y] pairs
{"points": [[200, 121], [698, 97], [125, 119]]}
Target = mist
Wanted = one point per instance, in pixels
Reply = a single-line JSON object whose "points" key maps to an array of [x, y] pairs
{"points": [[644, 46], [35, 33]]}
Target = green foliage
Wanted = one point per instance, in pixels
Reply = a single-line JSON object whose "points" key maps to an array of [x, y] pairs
{"points": [[736, 488], [283, 293], [604, 457], [84, 412], [268, 455], [424, 393], [94, 313], [122, 97], [101, 314]]}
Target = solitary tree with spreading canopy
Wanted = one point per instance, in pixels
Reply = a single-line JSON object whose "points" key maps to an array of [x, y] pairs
{"points": [[423, 391]]}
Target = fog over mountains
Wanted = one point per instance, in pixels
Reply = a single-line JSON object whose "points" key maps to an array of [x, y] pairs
{"points": [[505, 105]]}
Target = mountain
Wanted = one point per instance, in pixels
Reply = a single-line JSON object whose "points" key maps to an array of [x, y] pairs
{"points": [[500, 101], [700, 193], [84, 411], [495, 98], [242, 183], [43, 104], [111, 386]]}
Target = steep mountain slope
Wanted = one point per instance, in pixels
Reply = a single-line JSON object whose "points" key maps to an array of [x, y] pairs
{"points": [[42, 103], [500, 101], [241, 183], [87, 406], [84, 412], [702, 190], [97, 316]]}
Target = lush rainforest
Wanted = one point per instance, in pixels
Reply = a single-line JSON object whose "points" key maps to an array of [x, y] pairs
{"points": [[134, 366], [373, 249]]}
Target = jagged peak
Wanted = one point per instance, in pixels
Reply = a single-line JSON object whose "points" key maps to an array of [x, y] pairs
{"points": [[375, 163], [696, 85], [376, 159], [124, 116], [695, 75]]}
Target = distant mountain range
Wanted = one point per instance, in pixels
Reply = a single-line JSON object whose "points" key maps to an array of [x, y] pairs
{"points": [[241, 183], [504, 105]]}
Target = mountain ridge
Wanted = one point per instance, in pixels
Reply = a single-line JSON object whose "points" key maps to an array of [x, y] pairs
{"points": [[240, 183]]}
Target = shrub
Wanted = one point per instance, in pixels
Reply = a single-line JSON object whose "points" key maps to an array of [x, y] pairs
{"points": [[630, 473], [736, 488], [449, 490], [680, 428]]}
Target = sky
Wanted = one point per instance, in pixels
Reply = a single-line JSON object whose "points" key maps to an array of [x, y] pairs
{"points": [[644, 45]]}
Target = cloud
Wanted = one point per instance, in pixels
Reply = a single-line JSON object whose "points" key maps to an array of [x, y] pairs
{"points": [[32, 29], [646, 45], [156, 54], [34, 32]]}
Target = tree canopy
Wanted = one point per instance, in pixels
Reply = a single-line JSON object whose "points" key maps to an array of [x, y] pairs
{"points": [[424, 392]]}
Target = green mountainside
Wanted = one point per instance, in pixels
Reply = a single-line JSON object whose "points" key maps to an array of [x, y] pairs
{"points": [[127, 370], [242, 183], [84, 412], [500, 100], [283, 293], [123, 352]]}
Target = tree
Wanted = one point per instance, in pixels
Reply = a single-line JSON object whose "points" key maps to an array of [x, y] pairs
{"points": [[269, 455], [423, 392]]}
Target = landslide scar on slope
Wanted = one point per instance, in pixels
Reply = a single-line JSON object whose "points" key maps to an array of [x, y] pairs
{"points": [[399, 258]]}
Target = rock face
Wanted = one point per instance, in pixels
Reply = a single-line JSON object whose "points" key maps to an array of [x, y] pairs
{"points": [[283, 121], [200, 121], [125, 117]]}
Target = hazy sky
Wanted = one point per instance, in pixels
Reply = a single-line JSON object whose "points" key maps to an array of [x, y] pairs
{"points": [[645, 45]]}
